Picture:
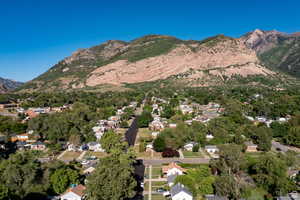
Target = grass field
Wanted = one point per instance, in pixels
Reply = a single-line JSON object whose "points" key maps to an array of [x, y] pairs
{"points": [[156, 171], [190, 154], [97, 154], [144, 132], [121, 131], [155, 197], [70, 155]]}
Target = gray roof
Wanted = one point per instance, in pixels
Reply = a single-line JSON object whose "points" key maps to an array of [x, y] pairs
{"points": [[179, 188], [290, 196], [211, 147], [172, 178]]}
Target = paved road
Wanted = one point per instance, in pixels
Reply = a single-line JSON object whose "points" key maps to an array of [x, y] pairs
{"points": [[169, 160], [131, 133], [283, 148], [8, 114]]}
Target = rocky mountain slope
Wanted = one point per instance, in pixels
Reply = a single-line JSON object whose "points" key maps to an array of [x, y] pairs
{"points": [[157, 57], [276, 50], [7, 85]]}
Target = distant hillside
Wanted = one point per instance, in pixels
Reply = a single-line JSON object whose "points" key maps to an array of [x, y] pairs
{"points": [[7, 85], [212, 61], [276, 50]]}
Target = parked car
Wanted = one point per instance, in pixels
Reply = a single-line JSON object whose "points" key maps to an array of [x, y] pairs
{"points": [[160, 190]]}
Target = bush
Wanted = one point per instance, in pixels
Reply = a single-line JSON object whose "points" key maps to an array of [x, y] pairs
{"points": [[142, 146], [196, 148], [159, 144], [144, 119], [169, 153], [124, 124]]}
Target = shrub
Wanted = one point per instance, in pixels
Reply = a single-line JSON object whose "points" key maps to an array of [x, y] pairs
{"points": [[168, 153], [159, 144]]}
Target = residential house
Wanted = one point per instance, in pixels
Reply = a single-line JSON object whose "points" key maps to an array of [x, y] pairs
{"points": [[171, 179], [31, 114], [172, 125], [22, 145], [2, 138], [21, 137], [188, 122], [72, 147], [8, 105], [74, 193], [209, 136], [172, 169], [179, 192], [186, 109], [155, 134], [149, 146], [290, 196], [211, 149], [89, 170], [250, 147], [156, 125], [189, 146], [40, 146], [95, 146]]}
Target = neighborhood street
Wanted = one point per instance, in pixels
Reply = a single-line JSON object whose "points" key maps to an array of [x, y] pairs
{"points": [[183, 160], [131, 133]]}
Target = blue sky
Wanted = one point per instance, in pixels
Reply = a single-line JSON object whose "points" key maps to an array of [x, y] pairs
{"points": [[36, 34]]}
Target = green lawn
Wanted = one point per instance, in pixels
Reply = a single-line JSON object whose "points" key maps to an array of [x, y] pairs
{"points": [[158, 197], [190, 166], [97, 154], [144, 132], [158, 183], [155, 197], [190, 154], [156, 172], [70, 155]]}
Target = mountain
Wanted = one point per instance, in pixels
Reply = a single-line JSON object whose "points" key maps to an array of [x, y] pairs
{"points": [[151, 58], [7, 85], [276, 50]]}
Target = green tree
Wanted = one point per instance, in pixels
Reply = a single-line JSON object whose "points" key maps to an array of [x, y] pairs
{"points": [[159, 144], [279, 129], [62, 178], [144, 119], [111, 141], [226, 185], [270, 173], [293, 136], [4, 192], [231, 159], [113, 178]]}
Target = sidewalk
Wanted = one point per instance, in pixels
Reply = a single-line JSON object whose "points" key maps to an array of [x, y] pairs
{"points": [[181, 156]]}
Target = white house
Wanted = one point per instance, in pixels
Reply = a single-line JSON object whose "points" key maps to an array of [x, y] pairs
{"points": [[172, 125], [74, 193], [95, 146], [155, 134], [209, 136], [72, 147], [179, 192], [212, 149], [189, 146], [171, 179], [89, 170], [149, 146], [173, 169]]}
